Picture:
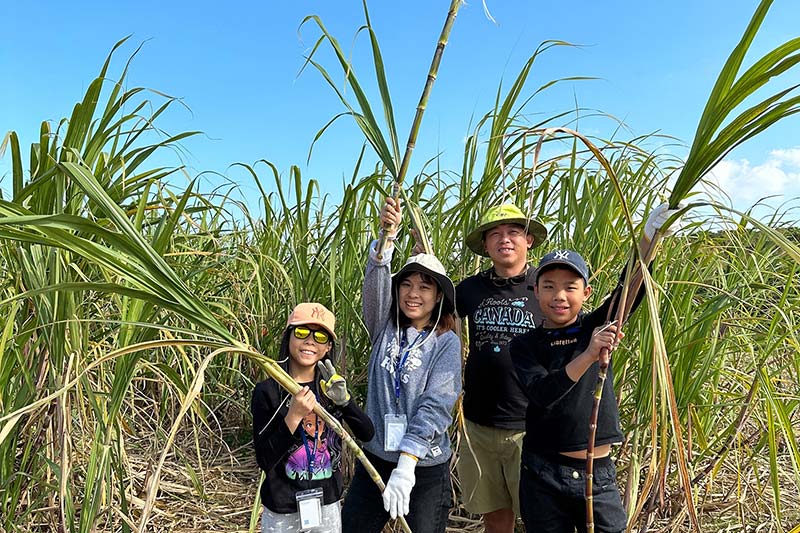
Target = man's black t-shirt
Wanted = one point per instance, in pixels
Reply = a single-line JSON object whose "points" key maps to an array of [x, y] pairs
{"points": [[498, 309]]}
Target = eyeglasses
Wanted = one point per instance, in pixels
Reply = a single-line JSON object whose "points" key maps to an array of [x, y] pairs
{"points": [[302, 332]]}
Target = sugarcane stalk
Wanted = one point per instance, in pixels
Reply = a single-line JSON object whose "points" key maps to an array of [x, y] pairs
{"points": [[598, 396], [633, 282], [421, 106], [632, 285]]}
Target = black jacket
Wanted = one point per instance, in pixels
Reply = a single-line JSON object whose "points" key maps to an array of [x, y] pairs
{"points": [[557, 418], [284, 456]]}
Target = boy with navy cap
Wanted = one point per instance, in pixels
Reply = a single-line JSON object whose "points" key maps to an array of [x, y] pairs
{"points": [[557, 365]]}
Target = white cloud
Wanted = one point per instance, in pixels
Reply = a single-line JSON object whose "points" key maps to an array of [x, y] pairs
{"points": [[745, 183], [790, 155]]}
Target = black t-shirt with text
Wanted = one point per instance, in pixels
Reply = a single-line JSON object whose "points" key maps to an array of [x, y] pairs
{"points": [[497, 309]]}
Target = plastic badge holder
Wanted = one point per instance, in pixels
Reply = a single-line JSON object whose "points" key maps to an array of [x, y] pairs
{"points": [[395, 428], [309, 505]]}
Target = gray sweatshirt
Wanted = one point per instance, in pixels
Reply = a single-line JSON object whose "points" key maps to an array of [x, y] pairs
{"points": [[430, 379]]}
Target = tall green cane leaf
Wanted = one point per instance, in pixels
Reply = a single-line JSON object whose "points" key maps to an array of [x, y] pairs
{"points": [[383, 86], [364, 117], [711, 144]]}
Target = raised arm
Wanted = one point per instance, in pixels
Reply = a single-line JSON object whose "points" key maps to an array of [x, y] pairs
{"points": [[656, 224], [376, 293]]}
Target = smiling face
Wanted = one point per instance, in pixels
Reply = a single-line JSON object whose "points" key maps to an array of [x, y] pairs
{"points": [[561, 293], [507, 246], [417, 297], [306, 352]]}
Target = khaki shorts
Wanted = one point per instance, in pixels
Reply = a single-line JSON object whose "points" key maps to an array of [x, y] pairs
{"points": [[496, 485]]}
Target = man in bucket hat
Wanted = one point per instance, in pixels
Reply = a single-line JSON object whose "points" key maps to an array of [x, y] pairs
{"points": [[499, 305]]}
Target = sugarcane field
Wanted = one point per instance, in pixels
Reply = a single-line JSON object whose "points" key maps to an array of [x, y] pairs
{"points": [[357, 266]]}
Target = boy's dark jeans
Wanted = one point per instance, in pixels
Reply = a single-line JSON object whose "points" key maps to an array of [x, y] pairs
{"points": [[551, 495], [431, 499]]}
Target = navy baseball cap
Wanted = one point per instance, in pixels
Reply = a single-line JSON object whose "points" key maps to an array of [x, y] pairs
{"points": [[567, 258]]}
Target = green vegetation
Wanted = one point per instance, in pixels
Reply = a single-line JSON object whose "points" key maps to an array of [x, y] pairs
{"points": [[130, 308]]}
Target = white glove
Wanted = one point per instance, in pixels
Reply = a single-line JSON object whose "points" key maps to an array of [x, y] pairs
{"points": [[397, 494], [658, 217], [333, 385]]}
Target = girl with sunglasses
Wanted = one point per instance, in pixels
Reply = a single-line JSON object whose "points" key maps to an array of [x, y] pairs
{"points": [[414, 381], [299, 454]]}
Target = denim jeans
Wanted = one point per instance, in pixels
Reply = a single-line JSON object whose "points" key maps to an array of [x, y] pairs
{"points": [[431, 499], [552, 492]]}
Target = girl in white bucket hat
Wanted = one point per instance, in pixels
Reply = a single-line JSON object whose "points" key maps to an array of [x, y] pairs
{"points": [[414, 382]]}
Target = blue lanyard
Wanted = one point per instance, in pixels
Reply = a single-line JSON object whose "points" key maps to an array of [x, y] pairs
{"points": [[310, 452], [402, 360]]}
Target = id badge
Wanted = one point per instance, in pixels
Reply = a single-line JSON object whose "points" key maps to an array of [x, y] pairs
{"points": [[309, 505], [395, 428]]}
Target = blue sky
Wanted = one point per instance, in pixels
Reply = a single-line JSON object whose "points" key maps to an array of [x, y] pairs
{"points": [[236, 65]]}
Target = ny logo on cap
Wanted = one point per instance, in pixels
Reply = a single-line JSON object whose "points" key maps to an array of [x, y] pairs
{"points": [[562, 255], [318, 312]]}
